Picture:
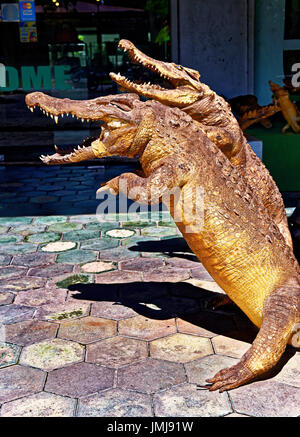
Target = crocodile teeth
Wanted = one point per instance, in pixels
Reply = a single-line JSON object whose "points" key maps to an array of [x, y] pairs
{"points": [[56, 119]]}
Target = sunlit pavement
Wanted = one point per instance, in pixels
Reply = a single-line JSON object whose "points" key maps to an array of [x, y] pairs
{"points": [[114, 317]]}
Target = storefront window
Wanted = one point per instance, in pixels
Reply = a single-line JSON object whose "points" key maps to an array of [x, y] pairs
{"points": [[67, 49]]}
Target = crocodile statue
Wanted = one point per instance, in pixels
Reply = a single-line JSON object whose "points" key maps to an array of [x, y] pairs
{"points": [[183, 89], [289, 109], [249, 112], [237, 240]]}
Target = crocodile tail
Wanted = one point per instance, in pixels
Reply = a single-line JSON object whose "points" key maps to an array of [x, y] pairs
{"points": [[258, 114]]}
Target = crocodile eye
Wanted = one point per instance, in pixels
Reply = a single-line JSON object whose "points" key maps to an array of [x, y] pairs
{"points": [[179, 67]]}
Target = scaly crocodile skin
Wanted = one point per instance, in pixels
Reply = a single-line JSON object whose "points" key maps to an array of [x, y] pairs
{"points": [[214, 118]]}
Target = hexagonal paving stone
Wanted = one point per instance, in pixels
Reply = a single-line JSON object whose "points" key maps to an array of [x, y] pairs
{"points": [[17, 248], [182, 263], [134, 242], [229, 346], [267, 398], [146, 329], [201, 273], [187, 401], [112, 310], [115, 403], [119, 233], [180, 348], [43, 237], [17, 285], [62, 311], [141, 264], [76, 257], [118, 276], [41, 296], [33, 259], [206, 324], [166, 274], [9, 238], [99, 244], [116, 351], [139, 224], [83, 218], [101, 226], [150, 375], [4, 259], [290, 374], [25, 230], [87, 329], [52, 354], [50, 271], [6, 298], [15, 313], [40, 405], [118, 253], [198, 371], [75, 279], [79, 380], [59, 246], [18, 381], [12, 272], [11, 221], [9, 354], [30, 331], [50, 219], [80, 235], [159, 231], [98, 267], [64, 227]]}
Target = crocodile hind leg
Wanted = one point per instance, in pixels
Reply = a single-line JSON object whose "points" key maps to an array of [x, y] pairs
{"points": [[281, 313]]}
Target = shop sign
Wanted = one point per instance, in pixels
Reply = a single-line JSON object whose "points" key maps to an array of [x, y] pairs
{"points": [[27, 10], [10, 12], [28, 32], [36, 78]]}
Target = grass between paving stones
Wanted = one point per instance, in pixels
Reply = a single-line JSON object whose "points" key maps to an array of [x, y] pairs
{"points": [[75, 279]]}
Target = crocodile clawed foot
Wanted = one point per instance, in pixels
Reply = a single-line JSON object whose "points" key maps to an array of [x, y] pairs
{"points": [[230, 378], [111, 187]]}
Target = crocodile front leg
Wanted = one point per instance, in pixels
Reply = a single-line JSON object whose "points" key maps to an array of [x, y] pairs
{"points": [[281, 313], [144, 190]]}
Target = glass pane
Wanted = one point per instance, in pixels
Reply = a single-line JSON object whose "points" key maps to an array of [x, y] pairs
{"points": [[68, 51]]}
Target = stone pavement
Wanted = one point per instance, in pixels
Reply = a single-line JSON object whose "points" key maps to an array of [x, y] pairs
{"points": [[112, 318]]}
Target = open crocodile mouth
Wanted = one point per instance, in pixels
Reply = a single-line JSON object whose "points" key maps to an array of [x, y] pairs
{"points": [[161, 80], [89, 147]]}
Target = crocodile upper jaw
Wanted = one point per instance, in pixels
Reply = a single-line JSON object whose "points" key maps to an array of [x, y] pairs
{"points": [[182, 84]]}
